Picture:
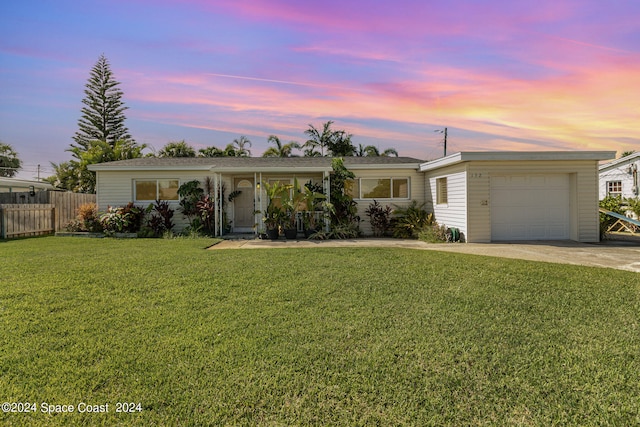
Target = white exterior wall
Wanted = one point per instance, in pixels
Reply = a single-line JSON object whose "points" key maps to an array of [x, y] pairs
{"points": [[115, 188], [454, 212], [416, 192], [620, 173], [583, 177]]}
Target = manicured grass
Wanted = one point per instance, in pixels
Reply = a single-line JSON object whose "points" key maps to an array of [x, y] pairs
{"points": [[348, 336]]}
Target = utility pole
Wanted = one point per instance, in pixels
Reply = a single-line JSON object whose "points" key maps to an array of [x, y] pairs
{"points": [[445, 139], [39, 171]]}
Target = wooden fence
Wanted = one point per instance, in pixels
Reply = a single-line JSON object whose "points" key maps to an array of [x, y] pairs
{"points": [[26, 220], [23, 214]]}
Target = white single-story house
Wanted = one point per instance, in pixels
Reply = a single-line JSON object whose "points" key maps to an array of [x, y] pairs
{"points": [[488, 196], [620, 177], [15, 185]]}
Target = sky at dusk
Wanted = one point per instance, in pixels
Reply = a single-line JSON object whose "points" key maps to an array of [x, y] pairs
{"points": [[500, 75]]}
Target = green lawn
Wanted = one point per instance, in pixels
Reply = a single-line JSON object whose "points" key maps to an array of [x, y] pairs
{"points": [[348, 336]]}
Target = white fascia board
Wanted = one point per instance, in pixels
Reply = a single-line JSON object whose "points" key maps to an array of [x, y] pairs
{"points": [[414, 166], [468, 156], [99, 167], [278, 169], [622, 161]]}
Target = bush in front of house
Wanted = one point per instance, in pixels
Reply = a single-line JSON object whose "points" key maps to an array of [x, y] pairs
{"points": [[87, 219], [380, 218], [434, 233], [410, 221]]}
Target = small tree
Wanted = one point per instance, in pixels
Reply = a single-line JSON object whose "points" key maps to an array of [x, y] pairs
{"points": [[9, 161]]}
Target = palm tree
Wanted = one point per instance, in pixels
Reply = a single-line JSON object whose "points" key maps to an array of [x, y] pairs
{"points": [[318, 140], [373, 151], [240, 144], [627, 153], [211, 151], [390, 152], [177, 149], [280, 150]]}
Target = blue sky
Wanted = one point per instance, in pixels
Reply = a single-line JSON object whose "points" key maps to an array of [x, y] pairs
{"points": [[500, 75]]}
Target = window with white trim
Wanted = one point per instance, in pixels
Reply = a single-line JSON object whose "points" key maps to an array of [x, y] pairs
{"points": [[614, 188], [155, 189], [380, 188], [442, 191]]}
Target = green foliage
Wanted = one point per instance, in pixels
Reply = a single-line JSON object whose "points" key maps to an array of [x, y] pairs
{"points": [[89, 218], [160, 220], [103, 112], [114, 220], [9, 161], [127, 219], [434, 233], [75, 175], [102, 134], [239, 147], [280, 149], [177, 149], [328, 141], [190, 193], [613, 204], [344, 212], [634, 205], [411, 220], [275, 213], [380, 218]]}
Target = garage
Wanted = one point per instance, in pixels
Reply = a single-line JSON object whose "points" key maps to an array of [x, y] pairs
{"points": [[530, 207]]}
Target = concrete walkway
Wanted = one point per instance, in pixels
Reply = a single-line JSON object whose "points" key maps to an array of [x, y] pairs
{"points": [[619, 255]]}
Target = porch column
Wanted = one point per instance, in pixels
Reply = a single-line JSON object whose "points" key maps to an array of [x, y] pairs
{"points": [[326, 182], [220, 207], [216, 219]]}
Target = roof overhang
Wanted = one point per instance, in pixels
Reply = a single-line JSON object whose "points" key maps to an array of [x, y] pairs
{"points": [[621, 161], [515, 156], [111, 168]]}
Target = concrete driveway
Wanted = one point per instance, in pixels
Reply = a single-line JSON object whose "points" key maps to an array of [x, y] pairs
{"points": [[611, 254]]}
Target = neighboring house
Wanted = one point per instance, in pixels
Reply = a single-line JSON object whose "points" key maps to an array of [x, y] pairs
{"points": [[14, 185], [489, 196], [620, 177]]}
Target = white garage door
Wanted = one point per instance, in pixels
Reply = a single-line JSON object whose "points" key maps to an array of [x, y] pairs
{"points": [[530, 207]]}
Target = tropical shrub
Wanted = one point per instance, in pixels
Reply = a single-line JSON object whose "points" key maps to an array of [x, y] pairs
{"points": [[434, 233], [613, 204], [89, 218], [344, 213], [159, 221], [410, 221], [634, 206], [380, 218], [114, 220]]}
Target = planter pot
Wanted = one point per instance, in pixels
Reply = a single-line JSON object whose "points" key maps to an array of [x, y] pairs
{"points": [[290, 233], [273, 234]]}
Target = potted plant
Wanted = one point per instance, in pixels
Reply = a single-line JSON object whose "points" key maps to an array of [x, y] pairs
{"points": [[310, 200], [275, 213], [293, 204]]}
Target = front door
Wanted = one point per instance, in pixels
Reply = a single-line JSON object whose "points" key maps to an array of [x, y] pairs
{"points": [[243, 207]]}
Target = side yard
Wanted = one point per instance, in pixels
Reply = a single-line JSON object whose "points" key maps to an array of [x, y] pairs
{"points": [[327, 336]]}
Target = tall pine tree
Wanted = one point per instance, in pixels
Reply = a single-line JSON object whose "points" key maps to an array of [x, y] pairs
{"points": [[102, 135], [103, 112]]}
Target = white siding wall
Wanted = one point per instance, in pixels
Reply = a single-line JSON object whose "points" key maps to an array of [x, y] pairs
{"points": [[619, 173], [116, 188], [416, 192], [454, 212], [584, 194]]}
